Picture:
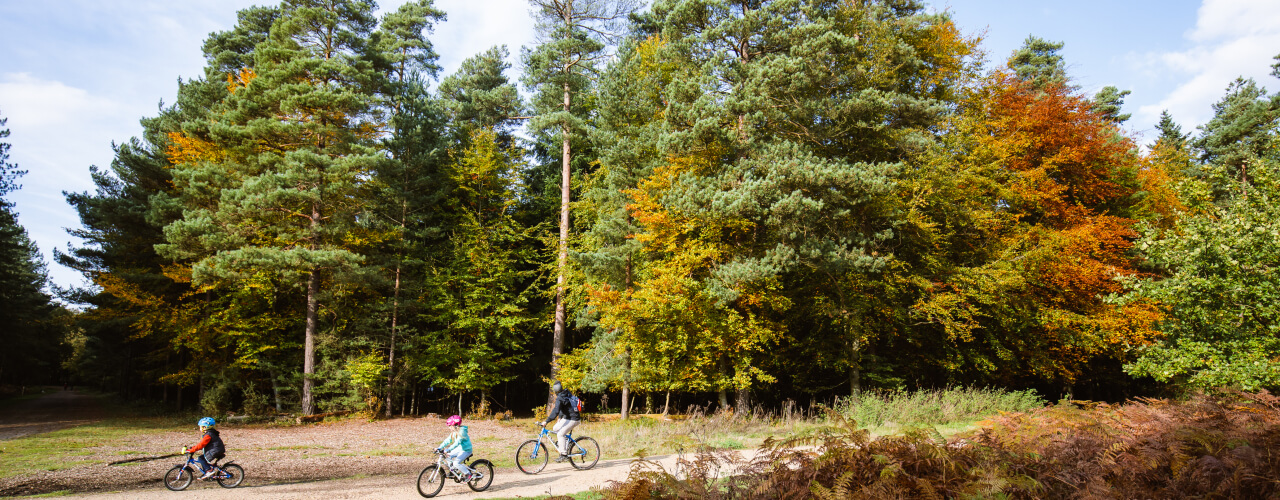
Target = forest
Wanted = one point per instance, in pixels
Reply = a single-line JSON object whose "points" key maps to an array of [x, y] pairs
{"points": [[717, 202]]}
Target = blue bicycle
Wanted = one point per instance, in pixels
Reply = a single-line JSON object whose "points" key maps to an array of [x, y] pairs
{"points": [[178, 478], [532, 455]]}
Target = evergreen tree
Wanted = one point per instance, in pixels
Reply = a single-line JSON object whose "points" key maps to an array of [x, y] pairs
{"points": [[292, 149], [479, 96], [31, 324], [572, 38], [1242, 130], [1038, 62], [1170, 132], [407, 184], [1108, 101]]}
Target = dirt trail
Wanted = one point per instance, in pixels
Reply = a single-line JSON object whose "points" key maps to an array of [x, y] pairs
{"points": [[557, 479], [58, 410]]}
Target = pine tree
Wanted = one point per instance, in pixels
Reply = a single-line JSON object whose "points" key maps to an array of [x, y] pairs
{"points": [[1170, 132], [1038, 62], [479, 96], [1242, 130], [1108, 101], [30, 325], [295, 144], [407, 184], [572, 38]]}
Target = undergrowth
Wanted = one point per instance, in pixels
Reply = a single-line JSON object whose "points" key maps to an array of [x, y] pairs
{"points": [[934, 407], [1208, 447]]}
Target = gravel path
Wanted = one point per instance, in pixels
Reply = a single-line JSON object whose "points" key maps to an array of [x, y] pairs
{"points": [[557, 479], [379, 459], [58, 410]]}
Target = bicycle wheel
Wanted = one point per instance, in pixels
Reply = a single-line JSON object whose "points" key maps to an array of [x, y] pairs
{"points": [[430, 481], [233, 477], [485, 469], [585, 453], [531, 457], [179, 477]]}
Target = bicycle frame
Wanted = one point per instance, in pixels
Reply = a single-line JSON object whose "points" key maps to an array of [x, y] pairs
{"points": [[220, 472], [573, 445], [441, 465]]}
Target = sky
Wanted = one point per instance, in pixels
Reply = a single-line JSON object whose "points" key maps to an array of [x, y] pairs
{"points": [[77, 75]]}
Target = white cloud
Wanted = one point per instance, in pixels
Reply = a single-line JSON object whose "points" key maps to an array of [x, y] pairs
{"points": [[37, 103], [57, 131], [471, 29], [1232, 38]]}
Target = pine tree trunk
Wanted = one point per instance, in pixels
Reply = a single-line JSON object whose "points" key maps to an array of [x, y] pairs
{"points": [[309, 343], [391, 349], [626, 359], [275, 390], [855, 370], [557, 339]]}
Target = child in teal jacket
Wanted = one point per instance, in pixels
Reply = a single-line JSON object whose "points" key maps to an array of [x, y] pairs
{"points": [[457, 446]]}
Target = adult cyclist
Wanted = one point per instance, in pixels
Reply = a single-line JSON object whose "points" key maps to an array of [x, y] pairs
{"points": [[566, 408]]}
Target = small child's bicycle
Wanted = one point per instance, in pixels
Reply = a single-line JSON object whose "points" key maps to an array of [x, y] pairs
{"points": [[532, 455], [432, 478], [228, 475]]}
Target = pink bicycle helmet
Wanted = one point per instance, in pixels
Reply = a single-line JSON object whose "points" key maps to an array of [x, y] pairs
{"points": [[454, 420]]}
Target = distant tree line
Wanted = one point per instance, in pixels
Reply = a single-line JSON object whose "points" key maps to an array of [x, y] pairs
{"points": [[731, 201]]}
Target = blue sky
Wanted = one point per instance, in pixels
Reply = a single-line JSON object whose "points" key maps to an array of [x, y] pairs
{"points": [[76, 75]]}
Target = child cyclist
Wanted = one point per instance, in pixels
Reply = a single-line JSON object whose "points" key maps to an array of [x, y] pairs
{"points": [[457, 446], [212, 445]]}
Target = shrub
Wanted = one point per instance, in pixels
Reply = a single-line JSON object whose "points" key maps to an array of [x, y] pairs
{"points": [[1206, 447], [935, 407]]}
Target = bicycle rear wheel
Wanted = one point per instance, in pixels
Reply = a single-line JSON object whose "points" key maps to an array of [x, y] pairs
{"points": [[531, 457], [430, 481], [585, 453], [485, 469], [179, 477], [233, 477]]}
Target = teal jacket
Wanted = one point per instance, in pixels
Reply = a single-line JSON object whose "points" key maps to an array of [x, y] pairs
{"points": [[456, 439]]}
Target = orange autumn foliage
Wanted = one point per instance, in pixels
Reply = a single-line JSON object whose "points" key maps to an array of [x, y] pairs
{"points": [[185, 149], [1069, 179]]}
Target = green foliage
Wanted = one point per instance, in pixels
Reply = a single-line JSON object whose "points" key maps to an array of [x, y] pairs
{"points": [[32, 325], [934, 407], [1039, 63], [1221, 293], [1108, 102]]}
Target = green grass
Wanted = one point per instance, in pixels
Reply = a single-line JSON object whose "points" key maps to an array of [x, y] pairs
{"points": [[942, 407], [66, 448]]}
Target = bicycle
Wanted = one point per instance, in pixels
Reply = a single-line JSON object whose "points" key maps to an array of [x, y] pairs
{"points": [[178, 478], [532, 455], [431, 479]]}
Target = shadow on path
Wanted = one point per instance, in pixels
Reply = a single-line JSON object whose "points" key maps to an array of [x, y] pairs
{"points": [[58, 410]]}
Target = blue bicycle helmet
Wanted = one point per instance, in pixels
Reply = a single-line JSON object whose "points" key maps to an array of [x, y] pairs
{"points": [[207, 422]]}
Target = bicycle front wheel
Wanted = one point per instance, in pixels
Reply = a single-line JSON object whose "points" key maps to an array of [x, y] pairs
{"points": [[430, 481], [585, 453], [485, 470], [179, 478], [233, 477], [531, 457]]}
